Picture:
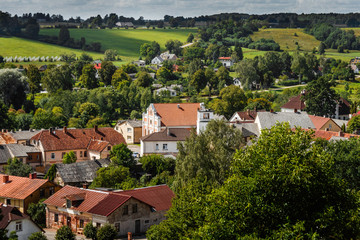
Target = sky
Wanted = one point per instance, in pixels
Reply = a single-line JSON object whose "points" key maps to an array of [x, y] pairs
{"points": [[156, 9]]}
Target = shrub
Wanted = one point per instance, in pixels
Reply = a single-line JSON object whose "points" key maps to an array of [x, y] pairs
{"points": [[64, 233], [106, 232]]}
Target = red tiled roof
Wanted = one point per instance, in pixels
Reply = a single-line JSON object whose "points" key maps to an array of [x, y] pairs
{"points": [[109, 204], [224, 58], [172, 115], [76, 138], [19, 187], [249, 115], [327, 135], [97, 145], [295, 103], [157, 196], [9, 214], [319, 122]]}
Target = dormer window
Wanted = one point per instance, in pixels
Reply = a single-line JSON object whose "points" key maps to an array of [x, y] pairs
{"points": [[68, 203]]}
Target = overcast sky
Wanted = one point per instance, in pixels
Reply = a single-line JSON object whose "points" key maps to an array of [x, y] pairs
{"points": [[156, 9]]}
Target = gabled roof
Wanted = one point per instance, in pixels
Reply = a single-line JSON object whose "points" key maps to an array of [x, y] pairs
{"points": [[23, 135], [295, 103], [269, 119], [319, 122], [80, 172], [248, 129], [4, 154], [177, 114], [19, 150], [10, 214], [327, 135], [224, 58], [109, 204], [133, 123], [19, 187], [174, 134], [157, 196], [98, 146], [248, 115], [76, 138]]}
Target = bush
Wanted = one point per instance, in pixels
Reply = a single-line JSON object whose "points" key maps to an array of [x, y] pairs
{"points": [[64, 233], [90, 231], [106, 232], [37, 236], [288, 82]]}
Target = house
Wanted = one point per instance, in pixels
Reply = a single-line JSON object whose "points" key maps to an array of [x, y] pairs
{"points": [[80, 173], [157, 60], [237, 82], [14, 220], [265, 120], [353, 64], [90, 143], [249, 130], [128, 211], [140, 63], [130, 129], [97, 64], [297, 104], [159, 116], [323, 123], [25, 153], [163, 142], [19, 137], [166, 90], [168, 56], [124, 24], [247, 116], [21, 191], [226, 61]]}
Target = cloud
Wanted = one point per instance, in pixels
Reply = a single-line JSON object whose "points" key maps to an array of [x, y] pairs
{"points": [[156, 9]]}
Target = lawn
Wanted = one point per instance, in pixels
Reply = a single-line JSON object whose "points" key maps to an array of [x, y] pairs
{"points": [[287, 38], [126, 41], [13, 46]]}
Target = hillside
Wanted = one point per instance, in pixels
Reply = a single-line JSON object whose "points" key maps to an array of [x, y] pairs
{"points": [[126, 41], [13, 46]]}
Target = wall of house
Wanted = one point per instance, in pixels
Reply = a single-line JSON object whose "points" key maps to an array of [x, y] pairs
{"points": [[150, 147], [28, 227], [127, 131], [151, 121], [137, 135], [63, 214], [59, 156], [331, 126], [290, 110], [35, 196], [14, 202], [34, 159], [127, 222]]}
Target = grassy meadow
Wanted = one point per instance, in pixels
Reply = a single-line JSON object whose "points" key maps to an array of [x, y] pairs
{"points": [[126, 41]]}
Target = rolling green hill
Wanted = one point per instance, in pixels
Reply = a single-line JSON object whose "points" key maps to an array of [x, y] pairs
{"points": [[126, 41]]}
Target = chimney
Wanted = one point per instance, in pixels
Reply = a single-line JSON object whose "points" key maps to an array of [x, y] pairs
{"points": [[96, 128], [168, 131], [65, 129], [178, 106], [248, 112], [295, 110], [5, 178], [85, 186], [271, 110], [130, 236], [33, 175], [340, 134]]}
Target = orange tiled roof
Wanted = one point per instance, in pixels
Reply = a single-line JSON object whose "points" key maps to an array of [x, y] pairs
{"points": [[327, 135], [319, 122], [97, 145], [295, 103], [19, 187], [172, 115], [76, 138]]}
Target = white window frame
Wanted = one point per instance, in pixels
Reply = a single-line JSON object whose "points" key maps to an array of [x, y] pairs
{"points": [[165, 146], [52, 155], [18, 226]]}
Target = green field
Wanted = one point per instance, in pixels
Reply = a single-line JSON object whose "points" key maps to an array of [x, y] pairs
{"points": [[126, 41], [13, 46]]}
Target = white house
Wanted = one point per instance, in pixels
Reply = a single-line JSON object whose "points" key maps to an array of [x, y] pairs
{"points": [[226, 61], [14, 220], [172, 92], [163, 142], [157, 60], [237, 82], [140, 63], [168, 56]]}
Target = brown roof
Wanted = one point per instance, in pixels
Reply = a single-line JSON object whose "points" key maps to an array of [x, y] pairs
{"points": [[157, 196], [109, 204], [175, 134], [319, 122], [9, 214], [249, 115], [19, 187], [177, 114], [295, 103], [327, 135], [98, 146], [76, 138]]}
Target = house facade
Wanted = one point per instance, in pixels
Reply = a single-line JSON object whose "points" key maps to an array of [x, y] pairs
{"points": [[226, 61], [95, 143], [128, 211], [130, 129], [164, 90], [247, 116], [326, 124], [14, 220], [157, 60], [21, 191]]}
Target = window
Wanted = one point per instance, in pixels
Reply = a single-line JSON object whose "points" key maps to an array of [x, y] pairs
{"points": [[147, 221], [117, 226], [51, 191], [42, 192], [85, 153], [134, 208], [81, 225], [18, 226], [128, 137], [330, 126], [62, 154], [109, 148], [68, 203], [206, 116], [150, 122], [56, 217], [75, 153], [157, 147], [129, 130], [98, 225], [81, 154], [30, 157], [52, 155], [8, 201], [165, 146], [126, 210]]}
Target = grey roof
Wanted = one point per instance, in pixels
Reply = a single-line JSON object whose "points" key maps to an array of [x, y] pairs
{"points": [[248, 129], [337, 138], [80, 172], [19, 150], [4, 154], [24, 135], [340, 122], [299, 119], [134, 123]]}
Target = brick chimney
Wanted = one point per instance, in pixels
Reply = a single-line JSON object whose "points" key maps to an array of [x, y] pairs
{"points": [[271, 110], [5, 178], [65, 129], [168, 131], [85, 186], [129, 235], [96, 128], [33, 175], [295, 110]]}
